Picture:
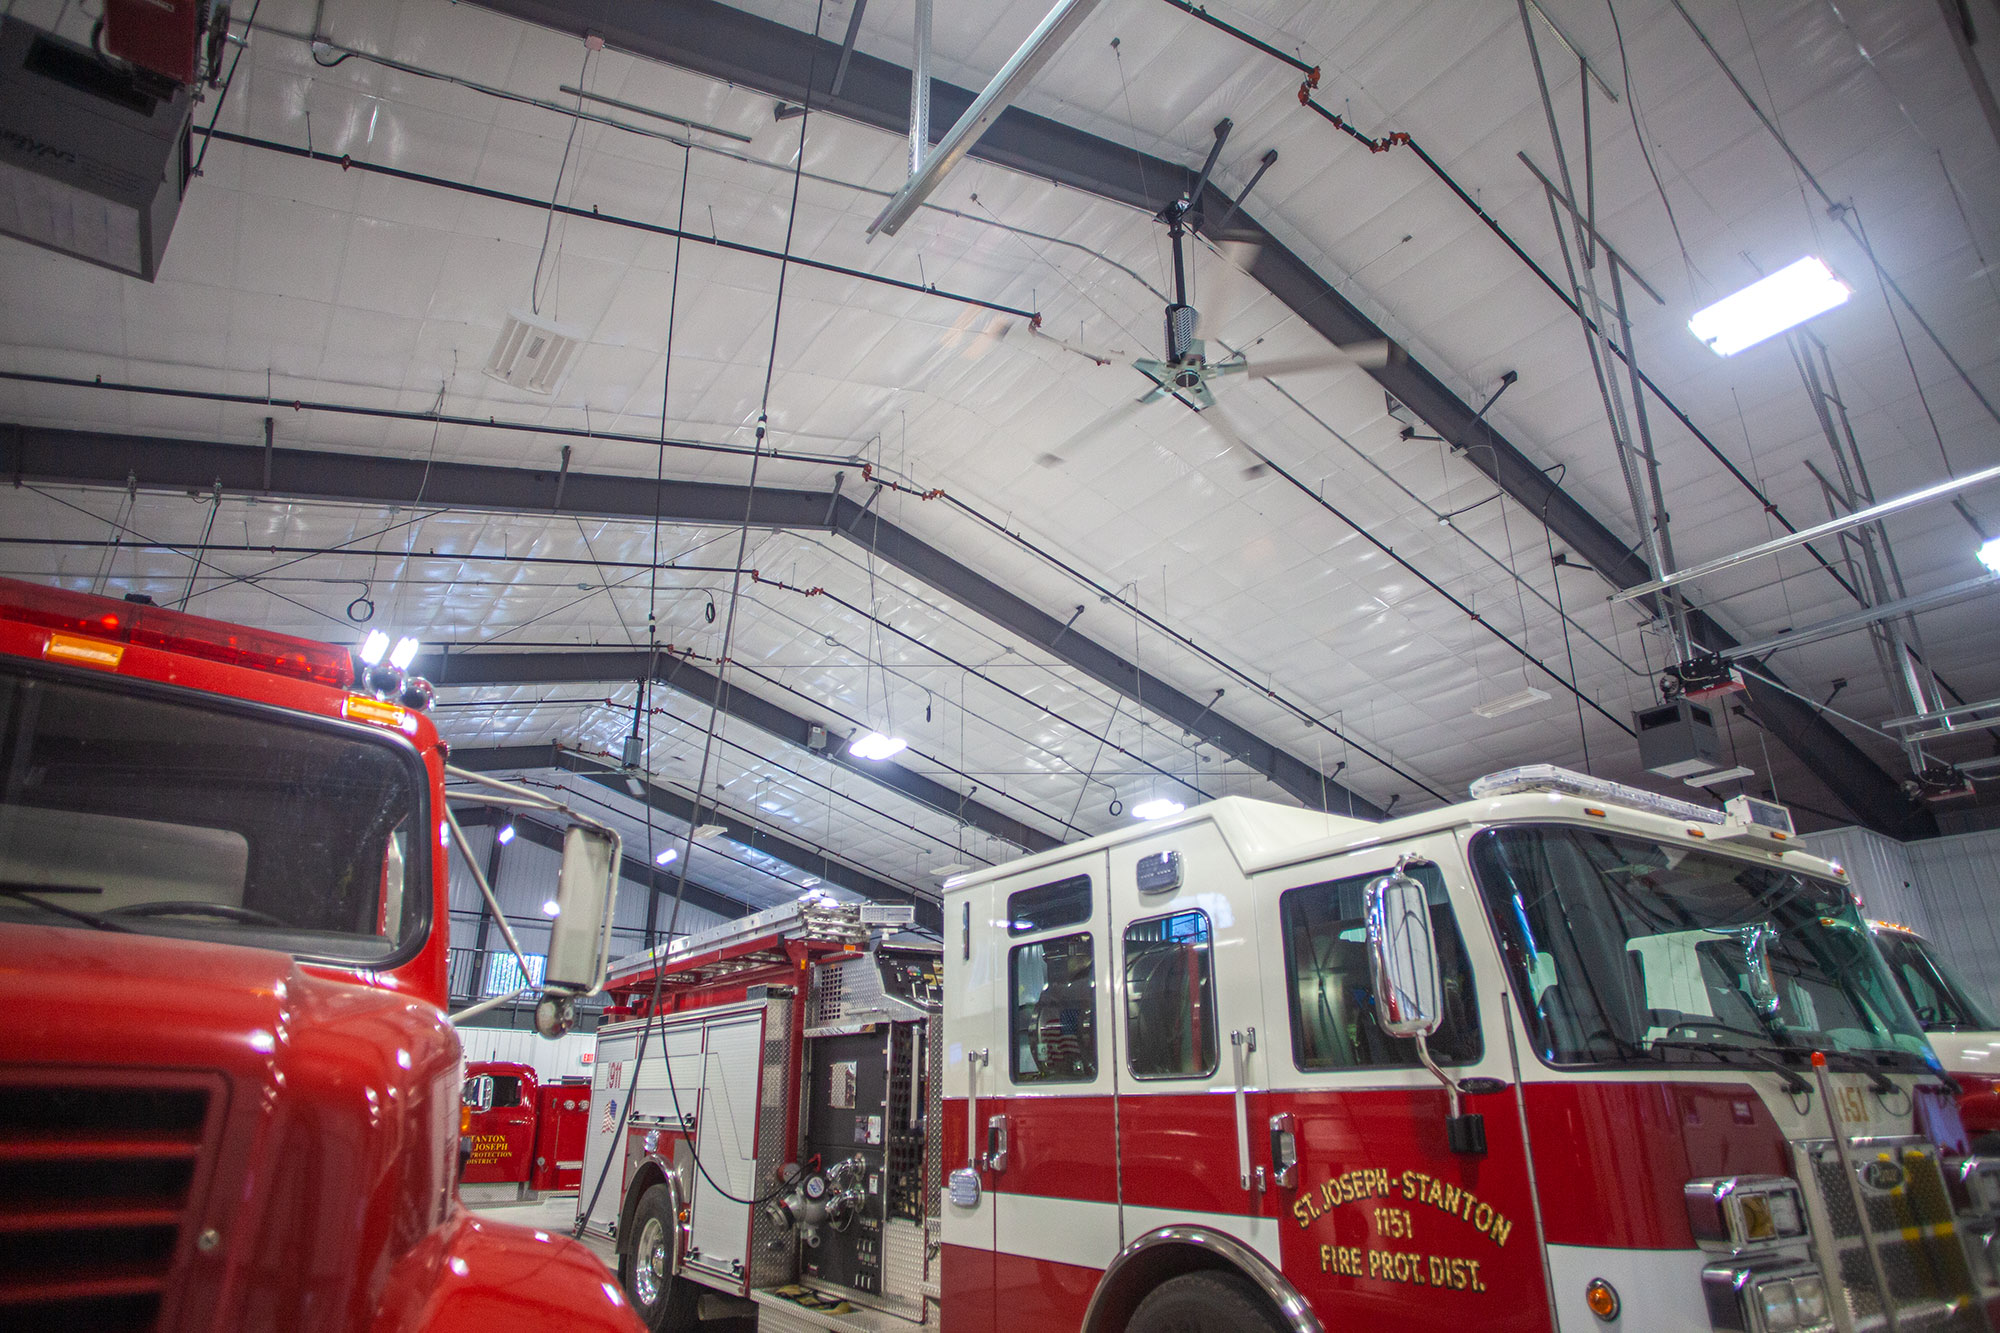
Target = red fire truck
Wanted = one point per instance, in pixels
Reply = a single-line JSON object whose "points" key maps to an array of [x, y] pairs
{"points": [[1568, 1055], [229, 1097], [527, 1135]]}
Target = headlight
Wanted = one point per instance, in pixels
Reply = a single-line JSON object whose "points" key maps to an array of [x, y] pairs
{"points": [[1786, 1298], [1737, 1212]]}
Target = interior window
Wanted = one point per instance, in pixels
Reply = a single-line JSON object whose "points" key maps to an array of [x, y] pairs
{"points": [[1332, 995], [1170, 997], [1052, 1017], [1047, 906]]}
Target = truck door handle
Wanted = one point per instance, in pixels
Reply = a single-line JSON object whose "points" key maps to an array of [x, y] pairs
{"points": [[996, 1144], [1284, 1152]]}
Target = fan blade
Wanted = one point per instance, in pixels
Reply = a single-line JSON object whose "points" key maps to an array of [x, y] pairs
{"points": [[1229, 288], [1102, 426], [1370, 355], [1089, 354], [1224, 425]]}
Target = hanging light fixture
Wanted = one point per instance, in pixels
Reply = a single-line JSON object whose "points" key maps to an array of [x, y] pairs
{"points": [[875, 745], [1769, 306], [1160, 807]]}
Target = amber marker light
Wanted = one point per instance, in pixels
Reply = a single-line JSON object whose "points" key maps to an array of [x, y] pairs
{"points": [[1602, 1298]]}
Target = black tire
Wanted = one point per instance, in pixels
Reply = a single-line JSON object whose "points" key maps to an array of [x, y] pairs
{"points": [[664, 1301], [1204, 1303]]}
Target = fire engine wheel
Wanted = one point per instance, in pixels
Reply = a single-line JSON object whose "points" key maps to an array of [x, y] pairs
{"points": [[1203, 1303], [667, 1303]]}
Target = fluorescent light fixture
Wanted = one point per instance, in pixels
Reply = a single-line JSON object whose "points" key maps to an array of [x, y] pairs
{"points": [[877, 746], [636, 787], [1769, 306], [703, 832], [666, 857], [551, 908], [809, 882], [1720, 775], [1521, 699], [404, 653], [1158, 808], [1989, 555], [950, 868], [375, 647], [505, 835]]}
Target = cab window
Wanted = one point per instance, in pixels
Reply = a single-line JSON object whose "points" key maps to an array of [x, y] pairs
{"points": [[1052, 1011], [1332, 995], [1170, 997], [506, 1091]]}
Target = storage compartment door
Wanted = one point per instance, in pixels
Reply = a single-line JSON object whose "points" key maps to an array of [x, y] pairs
{"points": [[610, 1083], [726, 1147]]}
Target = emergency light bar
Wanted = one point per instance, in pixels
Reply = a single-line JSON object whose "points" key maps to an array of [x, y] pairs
{"points": [[175, 632], [1549, 778]]}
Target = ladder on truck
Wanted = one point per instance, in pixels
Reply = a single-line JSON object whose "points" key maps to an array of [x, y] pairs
{"points": [[776, 937]]}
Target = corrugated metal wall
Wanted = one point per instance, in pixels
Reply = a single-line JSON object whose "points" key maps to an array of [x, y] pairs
{"points": [[1947, 888], [1960, 881], [561, 1058], [1880, 870], [527, 880]]}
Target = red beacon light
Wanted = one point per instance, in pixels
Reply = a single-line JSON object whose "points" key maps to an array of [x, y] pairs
{"points": [[146, 626]]}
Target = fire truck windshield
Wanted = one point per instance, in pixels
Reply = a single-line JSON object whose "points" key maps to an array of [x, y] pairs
{"points": [[131, 807], [1627, 951]]}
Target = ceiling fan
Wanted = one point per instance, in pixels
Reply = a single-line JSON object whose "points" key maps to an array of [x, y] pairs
{"points": [[1186, 373]]}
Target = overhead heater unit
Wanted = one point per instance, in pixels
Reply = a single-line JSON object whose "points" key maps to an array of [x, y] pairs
{"points": [[93, 157]]}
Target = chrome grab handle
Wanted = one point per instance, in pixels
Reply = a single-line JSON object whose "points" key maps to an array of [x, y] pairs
{"points": [[1241, 1044], [996, 1144]]}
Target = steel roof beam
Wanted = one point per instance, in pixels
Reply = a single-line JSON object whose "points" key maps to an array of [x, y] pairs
{"points": [[624, 664], [736, 47], [529, 828], [506, 758], [36, 453]]}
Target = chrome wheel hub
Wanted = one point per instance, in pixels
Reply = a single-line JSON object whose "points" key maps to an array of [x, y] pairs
{"points": [[649, 1265]]}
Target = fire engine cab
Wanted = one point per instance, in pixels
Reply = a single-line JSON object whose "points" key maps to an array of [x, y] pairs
{"points": [[229, 1095], [1567, 1055]]}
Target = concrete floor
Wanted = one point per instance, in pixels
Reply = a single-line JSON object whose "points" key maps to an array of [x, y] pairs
{"points": [[557, 1213]]}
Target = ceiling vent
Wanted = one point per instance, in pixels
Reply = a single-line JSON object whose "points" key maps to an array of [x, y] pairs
{"points": [[533, 354]]}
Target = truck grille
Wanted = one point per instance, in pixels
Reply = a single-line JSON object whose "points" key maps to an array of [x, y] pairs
{"points": [[1914, 1230], [97, 1183]]}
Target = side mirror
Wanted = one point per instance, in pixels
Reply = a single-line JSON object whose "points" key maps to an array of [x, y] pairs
{"points": [[1402, 956], [479, 1093], [585, 894]]}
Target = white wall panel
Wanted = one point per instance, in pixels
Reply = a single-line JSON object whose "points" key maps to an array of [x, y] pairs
{"points": [[561, 1058], [1959, 879], [1880, 871]]}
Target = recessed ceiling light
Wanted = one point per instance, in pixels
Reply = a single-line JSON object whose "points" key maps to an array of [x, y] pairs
{"points": [[1521, 699], [533, 354], [1769, 306]]}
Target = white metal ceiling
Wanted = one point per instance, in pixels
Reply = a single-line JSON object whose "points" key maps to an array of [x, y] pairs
{"points": [[303, 281]]}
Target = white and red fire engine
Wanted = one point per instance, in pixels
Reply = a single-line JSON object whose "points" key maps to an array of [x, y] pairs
{"points": [[1567, 1055]]}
